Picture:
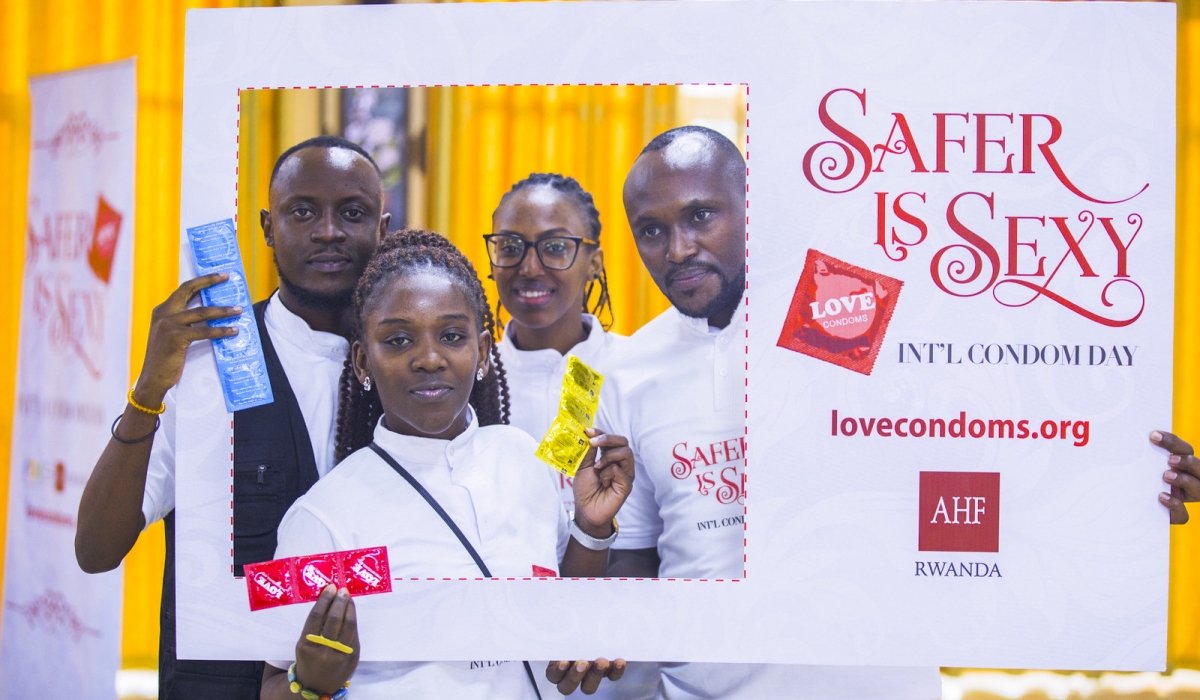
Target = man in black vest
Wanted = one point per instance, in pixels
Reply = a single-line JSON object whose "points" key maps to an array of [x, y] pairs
{"points": [[326, 217]]}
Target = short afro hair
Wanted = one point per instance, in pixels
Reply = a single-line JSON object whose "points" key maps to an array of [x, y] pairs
{"points": [[323, 142]]}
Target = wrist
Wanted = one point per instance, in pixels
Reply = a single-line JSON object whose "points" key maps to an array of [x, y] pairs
{"points": [[600, 532], [148, 395], [597, 538], [298, 685]]}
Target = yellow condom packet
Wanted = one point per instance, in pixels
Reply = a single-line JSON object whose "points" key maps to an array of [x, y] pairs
{"points": [[566, 443], [582, 379], [577, 407], [564, 446]]}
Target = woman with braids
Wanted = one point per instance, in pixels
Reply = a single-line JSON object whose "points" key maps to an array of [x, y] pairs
{"points": [[422, 420], [547, 264]]}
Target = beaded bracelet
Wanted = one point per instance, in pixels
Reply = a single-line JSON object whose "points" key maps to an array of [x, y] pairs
{"points": [[152, 411], [307, 694]]}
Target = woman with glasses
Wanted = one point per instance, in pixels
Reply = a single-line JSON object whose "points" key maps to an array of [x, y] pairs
{"points": [[547, 264]]}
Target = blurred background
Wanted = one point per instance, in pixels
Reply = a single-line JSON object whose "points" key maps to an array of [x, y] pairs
{"points": [[448, 154]]}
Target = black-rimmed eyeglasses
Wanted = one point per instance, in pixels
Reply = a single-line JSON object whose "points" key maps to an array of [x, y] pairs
{"points": [[554, 252]]}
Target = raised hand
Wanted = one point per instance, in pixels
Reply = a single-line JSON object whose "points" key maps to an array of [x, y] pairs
{"points": [[174, 327], [320, 667], [1183, 475], [601, 486]]}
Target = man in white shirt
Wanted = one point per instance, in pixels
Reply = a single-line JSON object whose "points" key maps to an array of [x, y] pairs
{"points": [[326, 217], [676, 391]]}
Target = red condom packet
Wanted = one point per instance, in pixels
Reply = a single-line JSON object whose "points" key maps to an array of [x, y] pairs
{"points": [[839, 312], [301, 579]]}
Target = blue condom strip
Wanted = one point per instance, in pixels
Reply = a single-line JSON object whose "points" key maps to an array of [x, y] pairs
{"points": [[240, 361]]}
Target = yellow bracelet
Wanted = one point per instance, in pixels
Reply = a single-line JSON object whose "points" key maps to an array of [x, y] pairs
{"points": [[142, 408]]}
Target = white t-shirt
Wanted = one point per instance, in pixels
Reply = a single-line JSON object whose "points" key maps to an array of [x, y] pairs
{"points": [[313, 362], [676, 390], [535, 383], [489, 482]]}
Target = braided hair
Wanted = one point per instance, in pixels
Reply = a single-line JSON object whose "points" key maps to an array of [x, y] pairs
{"points": [[587, 207], [398, 253]]}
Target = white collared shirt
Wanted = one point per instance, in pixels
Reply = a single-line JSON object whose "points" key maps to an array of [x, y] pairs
{"points": [[677, 391], [535, 383], [488, 481], [312, 361]]}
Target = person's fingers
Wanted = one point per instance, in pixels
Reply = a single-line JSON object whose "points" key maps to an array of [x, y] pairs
{"points": [[199, 314], [618, 458], [589, 460], [1170, 442], [575, 674], [616, 476], [1178, 510], [192, 287], [316, 617], [1186, 464], [617, 670], [557, 670], [1185, 486], [606, 441], [191, 334], [606, 474], [351, 624], [595, 674], [334, 619]]}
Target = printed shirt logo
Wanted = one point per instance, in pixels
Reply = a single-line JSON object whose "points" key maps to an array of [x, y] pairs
{"points": [[959, 512], [714, 468], [839, 313], [543, 572]]}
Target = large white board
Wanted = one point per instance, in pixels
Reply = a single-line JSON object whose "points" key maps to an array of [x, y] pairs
{"points": [[1073, 570]]}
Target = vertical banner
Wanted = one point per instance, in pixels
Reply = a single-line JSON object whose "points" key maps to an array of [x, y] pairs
{"points": [[62, 628]]}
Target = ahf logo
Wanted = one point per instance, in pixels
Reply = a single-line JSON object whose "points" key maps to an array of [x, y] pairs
{"points": [[959, 512]]}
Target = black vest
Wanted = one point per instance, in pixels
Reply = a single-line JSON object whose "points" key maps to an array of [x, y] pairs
{"points": [[273, 465]]}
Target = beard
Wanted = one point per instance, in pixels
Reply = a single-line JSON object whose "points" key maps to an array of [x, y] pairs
{"points": [[318, 301], [727, 297]]}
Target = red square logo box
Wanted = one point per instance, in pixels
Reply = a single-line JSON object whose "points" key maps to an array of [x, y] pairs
{"points": [[104, 239], [959, 512], [839, 312]]}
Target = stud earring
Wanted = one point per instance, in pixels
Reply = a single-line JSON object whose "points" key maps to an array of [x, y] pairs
{"points": [[367, 383], [479, 375]]}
